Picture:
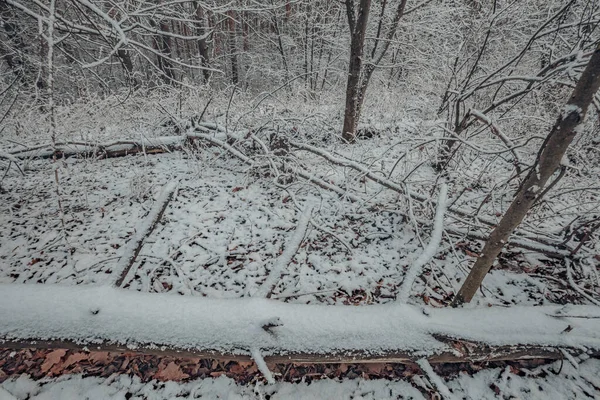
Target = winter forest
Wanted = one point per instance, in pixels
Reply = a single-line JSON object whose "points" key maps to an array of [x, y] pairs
{"points": [[299, 199]]}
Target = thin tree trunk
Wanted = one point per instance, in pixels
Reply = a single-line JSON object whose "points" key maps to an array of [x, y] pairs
{"points": [[165, 48], [548, 160], [281, 49], [125, 58], [359, 76], [233, 49], [162, 44], [202, 43], [358, 28]]}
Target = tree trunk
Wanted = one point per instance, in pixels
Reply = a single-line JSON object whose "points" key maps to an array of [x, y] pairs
{"points": [[548, 160], [202, 43], [358, 28], [125, 58], [233, 49], [162, 44], [165, 48], [286, 69]]}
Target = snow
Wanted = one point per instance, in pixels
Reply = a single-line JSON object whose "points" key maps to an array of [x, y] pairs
{"points": [[569, 109], [558, 381]]}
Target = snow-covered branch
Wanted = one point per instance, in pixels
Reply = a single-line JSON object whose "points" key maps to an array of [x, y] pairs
{"points": [[429, 252]]}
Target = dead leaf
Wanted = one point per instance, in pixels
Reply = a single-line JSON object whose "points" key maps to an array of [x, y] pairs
{"points": [[471, 254], [374, 368], [171, 373], [75, 358], [52, 358], [236, 369], [100, 357]]}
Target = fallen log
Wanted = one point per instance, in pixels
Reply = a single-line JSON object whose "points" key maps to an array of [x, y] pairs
{"points": [[111, 319], [115, 149], [478, 353]]}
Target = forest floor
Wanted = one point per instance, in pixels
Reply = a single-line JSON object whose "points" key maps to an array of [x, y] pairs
{"points": [[69, 222]]}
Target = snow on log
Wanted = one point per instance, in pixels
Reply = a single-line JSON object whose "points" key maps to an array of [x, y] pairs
{"points": [[115, 319], [143, 230], [119, 148], [430, 250]]}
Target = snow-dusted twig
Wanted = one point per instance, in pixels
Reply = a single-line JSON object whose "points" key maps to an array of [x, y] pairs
{"points": [[575, 286], [134, 246], [570, 358], [262, 366], [496, 131], [435, 379], [306, 175], [436, 236], [291, 247]]}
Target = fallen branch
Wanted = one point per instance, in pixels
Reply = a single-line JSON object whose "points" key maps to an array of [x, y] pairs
{"points": [[414, 195], [429, 252], [262, 366], [435, 379], [134, 246], [119, 148], [496, 131], [282, 262]]}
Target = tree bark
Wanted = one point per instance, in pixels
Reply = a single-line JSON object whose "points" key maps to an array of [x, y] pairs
{"points": [[233, 48], [358, 29], [162, 44], [202, 30], [360, 72], [548, 160], [469, 352]]}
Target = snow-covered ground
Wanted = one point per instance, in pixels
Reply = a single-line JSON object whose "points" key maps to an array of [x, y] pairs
{"points": [[223, 231], [228, 226], [552, 382]]}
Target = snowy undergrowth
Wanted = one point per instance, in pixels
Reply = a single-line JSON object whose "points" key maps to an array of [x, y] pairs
{"points": [[227, 224], [558, 381]]}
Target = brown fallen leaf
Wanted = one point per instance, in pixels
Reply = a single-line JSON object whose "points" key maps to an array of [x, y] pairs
{"points": [[52, 358], [100, 357], [374, 368], [171, 373], [75, 358]]}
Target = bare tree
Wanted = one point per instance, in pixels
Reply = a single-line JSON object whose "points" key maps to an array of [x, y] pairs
{"points": [[359, 69], [547, 162]]}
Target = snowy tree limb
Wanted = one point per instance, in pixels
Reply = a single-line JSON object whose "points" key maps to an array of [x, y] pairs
{"points": [[429, 252], [291, 247], [134, 246]]}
